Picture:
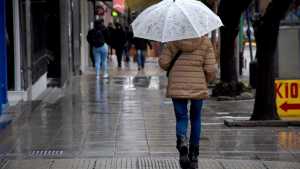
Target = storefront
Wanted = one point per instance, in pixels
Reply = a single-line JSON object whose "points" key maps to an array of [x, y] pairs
{"points": [[288, 53], [44, 45], [288, 64]]}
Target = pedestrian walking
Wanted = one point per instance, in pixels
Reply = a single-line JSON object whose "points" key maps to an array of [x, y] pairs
{"points": [[188, 79], [189, 60], [110, 31], [97, 39], [119, 40], [141, 48], [127, 46]]}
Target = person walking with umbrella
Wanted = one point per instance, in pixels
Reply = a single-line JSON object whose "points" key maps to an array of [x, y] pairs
{"points": [[189, 59], [188, 79]]}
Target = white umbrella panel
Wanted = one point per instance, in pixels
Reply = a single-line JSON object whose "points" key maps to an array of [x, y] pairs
{"points": [[175, 20]]}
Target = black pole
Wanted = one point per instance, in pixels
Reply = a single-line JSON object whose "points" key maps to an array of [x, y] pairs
{"points": [[256, 6], [94, 3], [249, 34], [253, 63], [28, 48]]}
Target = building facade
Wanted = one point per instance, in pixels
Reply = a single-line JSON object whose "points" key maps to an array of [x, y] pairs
{"points": [[45, 42]]}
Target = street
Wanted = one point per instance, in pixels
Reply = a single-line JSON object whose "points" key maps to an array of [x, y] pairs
{"points": [[126, 122]]}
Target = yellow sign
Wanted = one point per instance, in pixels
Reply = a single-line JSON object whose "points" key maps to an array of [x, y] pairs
{"points": [[288, 97]]}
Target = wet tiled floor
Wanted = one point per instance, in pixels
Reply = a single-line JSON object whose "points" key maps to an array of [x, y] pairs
{"points": [[142, 163], [128, 116]]}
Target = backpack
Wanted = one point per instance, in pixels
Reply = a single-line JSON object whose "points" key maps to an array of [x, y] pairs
{"points": [[96, 38]]}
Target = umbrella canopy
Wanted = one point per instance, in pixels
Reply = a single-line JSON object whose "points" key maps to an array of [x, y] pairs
{"points": [[172, 20]]}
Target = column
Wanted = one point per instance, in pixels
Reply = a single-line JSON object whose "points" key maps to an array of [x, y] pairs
{"points": [[17, 45], [76, 28], [84, 29], [28, 48], [65, 40], [3, 57]]}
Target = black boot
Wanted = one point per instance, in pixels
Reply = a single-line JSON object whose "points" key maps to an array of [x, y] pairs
{"points": [[183, 153], [193, 156]]}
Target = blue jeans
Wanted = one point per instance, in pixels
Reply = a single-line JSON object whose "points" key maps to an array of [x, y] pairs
{"points": [[100, 55], [126, 53], [141, 58], [181, 113]]}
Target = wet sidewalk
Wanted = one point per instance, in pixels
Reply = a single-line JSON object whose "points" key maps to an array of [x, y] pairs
{"points": [[126, 122]]}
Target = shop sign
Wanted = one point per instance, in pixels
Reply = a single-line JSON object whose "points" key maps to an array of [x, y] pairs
{"points": [[119, 5], [288, 98]]}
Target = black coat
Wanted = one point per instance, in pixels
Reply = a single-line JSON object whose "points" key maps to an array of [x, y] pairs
{"points": [[129, 38], [110, 31], [141, 44], [104, 31], [118, 38]]}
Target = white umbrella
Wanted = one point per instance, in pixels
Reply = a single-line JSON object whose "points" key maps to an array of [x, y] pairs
{"points": [[172, 20]]}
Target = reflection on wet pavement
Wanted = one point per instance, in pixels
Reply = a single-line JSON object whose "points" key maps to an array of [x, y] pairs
{"points": [[137, 163], [129, 116]]}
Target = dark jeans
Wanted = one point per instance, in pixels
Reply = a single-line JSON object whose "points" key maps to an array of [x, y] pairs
{"points": [[119, 53], [126, 53], [141, 58], [181, 113]]}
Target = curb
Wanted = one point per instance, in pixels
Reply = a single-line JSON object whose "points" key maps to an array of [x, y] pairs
{"points": [[265, 123], [21, 108], [5, 120]]}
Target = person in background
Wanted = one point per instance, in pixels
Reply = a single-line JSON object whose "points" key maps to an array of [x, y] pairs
{"points": [[119, 40], [188, 77], [141, 48], [129, 36], [97, 39], [110, 31]]}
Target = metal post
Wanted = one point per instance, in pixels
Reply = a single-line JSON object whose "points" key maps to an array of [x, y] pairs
{"points": [[28, 48], [84, 29], [94, 14], [65, 40], [249, 34], [17, 45], [257, 6], [3, 57], [241, 45], [76, 20]]}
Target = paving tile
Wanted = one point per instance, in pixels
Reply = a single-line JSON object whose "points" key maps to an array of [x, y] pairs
{"points": [[28, 164], [103, 164], [142, 162], [276, 156], [242, 164], [209, 164], [281, 165], [297, 156]]}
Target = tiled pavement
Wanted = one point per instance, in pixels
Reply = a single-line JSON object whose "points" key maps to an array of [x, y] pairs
{"points": [[142, 163], [126, 122]]}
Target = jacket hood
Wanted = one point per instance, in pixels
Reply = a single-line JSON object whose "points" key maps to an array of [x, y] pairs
{"points": [[188, 45]]}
